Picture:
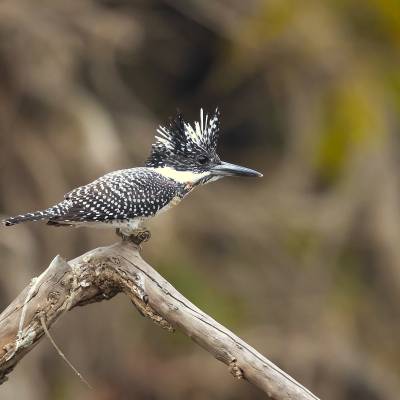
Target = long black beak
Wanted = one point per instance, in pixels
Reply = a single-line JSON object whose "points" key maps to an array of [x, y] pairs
{"points": [[227, 169]]}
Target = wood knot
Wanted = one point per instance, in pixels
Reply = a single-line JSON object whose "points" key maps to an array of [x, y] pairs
{"points": [[53, 297], [67, 282], [235, 370]]}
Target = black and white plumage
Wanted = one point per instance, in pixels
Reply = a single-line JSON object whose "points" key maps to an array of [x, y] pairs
{"points": [[121, 199], [183, 157]]}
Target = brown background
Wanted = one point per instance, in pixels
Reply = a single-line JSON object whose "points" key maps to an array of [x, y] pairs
{"points": [[303, 264]]}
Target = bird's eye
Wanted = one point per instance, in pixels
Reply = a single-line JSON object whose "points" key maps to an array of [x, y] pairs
{"points": [[203, 160]]}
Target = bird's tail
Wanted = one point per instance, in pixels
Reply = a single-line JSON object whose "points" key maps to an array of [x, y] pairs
{"points": [[33, 216]]}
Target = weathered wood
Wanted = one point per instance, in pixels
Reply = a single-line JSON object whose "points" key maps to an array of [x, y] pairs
{"points": [[102, 273]]}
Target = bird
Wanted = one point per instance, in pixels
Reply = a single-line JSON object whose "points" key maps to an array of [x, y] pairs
{"points": [[182, 158]]}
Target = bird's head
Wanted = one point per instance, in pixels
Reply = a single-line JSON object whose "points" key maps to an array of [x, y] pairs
{"points": [[188, 154]]}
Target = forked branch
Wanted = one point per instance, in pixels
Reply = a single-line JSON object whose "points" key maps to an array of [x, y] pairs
{"points": [[102, 273]]}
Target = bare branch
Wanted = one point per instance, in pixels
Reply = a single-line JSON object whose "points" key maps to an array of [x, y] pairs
{"points": [[102, 273]]}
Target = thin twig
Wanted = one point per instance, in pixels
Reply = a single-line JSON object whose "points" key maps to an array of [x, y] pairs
{"points": [[61, 354]]}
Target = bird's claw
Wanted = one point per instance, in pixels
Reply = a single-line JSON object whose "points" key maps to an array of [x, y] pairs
{"points": [[137, 236], [140, 236]]}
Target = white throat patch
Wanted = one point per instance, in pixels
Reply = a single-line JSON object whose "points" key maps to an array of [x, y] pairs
{"points": [[181, 176]]}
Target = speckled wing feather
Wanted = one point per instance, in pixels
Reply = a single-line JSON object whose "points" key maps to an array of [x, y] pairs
{"points": [[119, 195]]}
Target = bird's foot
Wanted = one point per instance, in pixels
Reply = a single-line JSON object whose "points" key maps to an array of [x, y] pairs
{"points": [[140, 236], [137, 236]]}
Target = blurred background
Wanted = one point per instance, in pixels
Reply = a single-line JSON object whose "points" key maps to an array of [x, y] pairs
{"points": [[303, 264]]}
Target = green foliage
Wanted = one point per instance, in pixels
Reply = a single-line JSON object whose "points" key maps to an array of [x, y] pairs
{"points": [[350, 124], [201, 289]]}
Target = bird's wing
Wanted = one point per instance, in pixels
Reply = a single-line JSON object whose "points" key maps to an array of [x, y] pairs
{"points": [[124, 194]]}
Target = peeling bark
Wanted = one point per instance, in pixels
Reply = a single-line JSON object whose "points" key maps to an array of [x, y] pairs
{"points": [[102, 273]]}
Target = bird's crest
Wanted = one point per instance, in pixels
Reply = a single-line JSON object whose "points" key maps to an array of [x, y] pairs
{"points": [[181, 138]]}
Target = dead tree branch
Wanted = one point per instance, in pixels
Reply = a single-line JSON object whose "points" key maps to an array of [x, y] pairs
{"points": [[102, 273]]}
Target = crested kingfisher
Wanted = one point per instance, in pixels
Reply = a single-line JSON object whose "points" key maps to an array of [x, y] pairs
{"points": [[183, 157]]}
